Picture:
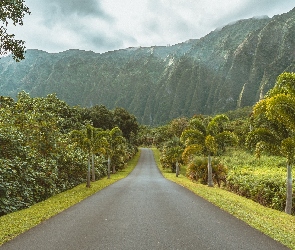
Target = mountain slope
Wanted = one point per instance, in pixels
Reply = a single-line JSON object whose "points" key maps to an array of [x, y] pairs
{"points": [[229, 68]]}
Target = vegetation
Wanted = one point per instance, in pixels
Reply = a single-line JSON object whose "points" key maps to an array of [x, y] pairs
{"points": [[277, 225], [12, 11], [263, 180], [46, 145], [274, 129], [268, 132], [18, 222], [207, 140]]}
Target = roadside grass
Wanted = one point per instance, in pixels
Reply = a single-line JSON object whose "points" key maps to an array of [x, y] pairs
{"points": [[18, 222], [278, 225]]}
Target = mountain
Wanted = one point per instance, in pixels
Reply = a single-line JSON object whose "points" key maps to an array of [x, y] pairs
{"points": [[228, 68]]}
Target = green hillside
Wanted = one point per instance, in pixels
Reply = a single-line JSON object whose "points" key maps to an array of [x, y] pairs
{"points": [[229, 68]]}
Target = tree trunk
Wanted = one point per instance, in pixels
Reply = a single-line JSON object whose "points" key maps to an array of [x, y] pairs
{"points": [[288, 207], [109, 167], [93, 169], [177, 169], [88, 174], [210, 180], [114, 169]]}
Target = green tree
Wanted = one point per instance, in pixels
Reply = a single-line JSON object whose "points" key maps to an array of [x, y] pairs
{"points": [[101, 117], [207, 140], [12, 11], [171, 155], [114, 148], [91, 141], [274, 126], [126, 122]]}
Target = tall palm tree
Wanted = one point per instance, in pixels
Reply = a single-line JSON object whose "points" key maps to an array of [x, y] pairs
{"points": [[274, 126]]}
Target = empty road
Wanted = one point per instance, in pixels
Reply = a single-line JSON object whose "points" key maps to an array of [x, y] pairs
{"points": [[143, 211]]}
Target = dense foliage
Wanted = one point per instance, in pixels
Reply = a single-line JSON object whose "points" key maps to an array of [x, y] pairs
{"points": [[267, 130], [39, 156], [263, 180]]}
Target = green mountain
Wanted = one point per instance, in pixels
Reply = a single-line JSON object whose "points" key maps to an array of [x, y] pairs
{"points": [[228, 68]]}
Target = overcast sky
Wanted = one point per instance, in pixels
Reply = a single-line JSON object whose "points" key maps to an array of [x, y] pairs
{"points": [[105, 25]]}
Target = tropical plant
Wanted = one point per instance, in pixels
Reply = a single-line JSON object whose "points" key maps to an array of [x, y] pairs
{"points": [[171, 155], [197, 170], [114, 148], [207, 140], [274, 126], [91, 140]]}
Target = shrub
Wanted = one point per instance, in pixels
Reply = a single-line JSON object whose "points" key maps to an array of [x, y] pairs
{"points": [[197, 170]]}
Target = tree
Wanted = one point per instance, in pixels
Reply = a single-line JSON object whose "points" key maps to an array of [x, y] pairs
{"points": [[114, 147], [274, 126], [91, 140], [207, 140], [171, 155], [101, 117], [126, 122], [12, 11]]}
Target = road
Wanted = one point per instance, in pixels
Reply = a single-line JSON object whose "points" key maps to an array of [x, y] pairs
{"points": [[143, 211]]}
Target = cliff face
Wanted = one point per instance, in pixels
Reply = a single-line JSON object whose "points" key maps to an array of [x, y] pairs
{"points": [[229, 68]]}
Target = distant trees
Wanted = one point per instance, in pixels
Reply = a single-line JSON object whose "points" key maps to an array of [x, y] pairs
{"points": [[12, 11], [274, 126], [106, 119]]}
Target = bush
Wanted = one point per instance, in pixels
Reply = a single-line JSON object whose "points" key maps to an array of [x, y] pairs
{"points": [[197, 170], [263, 180], [265, 186]]}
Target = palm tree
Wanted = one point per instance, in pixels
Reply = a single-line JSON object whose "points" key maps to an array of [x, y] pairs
{"points": [[115, 143], [274, 126], [207, 140], [91, 140], [171, 155]]}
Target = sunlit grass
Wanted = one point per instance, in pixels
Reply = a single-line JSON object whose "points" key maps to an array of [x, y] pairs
{"points": [[16, 223], [278, 225]]}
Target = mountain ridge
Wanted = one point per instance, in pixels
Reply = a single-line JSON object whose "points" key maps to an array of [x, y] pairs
{"points": [[231, 67]]}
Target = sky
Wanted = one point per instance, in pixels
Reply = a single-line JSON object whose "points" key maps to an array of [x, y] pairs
{"points": [[107, 25]]}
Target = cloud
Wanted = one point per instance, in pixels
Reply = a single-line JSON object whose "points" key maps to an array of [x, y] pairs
{"points": [[103, 25]]}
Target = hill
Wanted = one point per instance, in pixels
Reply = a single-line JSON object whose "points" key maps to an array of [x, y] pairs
{"points": [[228, 68]]}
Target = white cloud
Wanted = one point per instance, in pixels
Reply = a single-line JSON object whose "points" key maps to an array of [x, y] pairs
{"points": [[102, 25]]}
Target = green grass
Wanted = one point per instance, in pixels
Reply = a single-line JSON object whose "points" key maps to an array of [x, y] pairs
{"points": [[16, 223], [278, 225]]}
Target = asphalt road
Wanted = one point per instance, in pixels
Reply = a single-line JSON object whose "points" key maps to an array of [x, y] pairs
{"points": [[143, 211]]}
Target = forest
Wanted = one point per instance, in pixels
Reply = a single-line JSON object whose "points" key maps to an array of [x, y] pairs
{"points": [[47, 147]]}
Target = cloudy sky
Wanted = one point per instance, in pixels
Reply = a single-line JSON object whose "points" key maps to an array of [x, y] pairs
{"points": [[105, 25]]}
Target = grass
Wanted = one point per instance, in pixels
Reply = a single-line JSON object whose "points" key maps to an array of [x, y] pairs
{"points": [[18, 222], [278, 225]]}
